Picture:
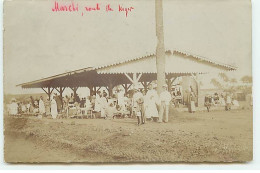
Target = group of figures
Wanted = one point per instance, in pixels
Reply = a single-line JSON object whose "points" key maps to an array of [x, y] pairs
{"points": [[226, 100], [143, 105]]}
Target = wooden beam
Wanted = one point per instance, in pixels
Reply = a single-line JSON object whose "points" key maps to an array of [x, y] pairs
{"points": [[129, 86], [44, 90], [139, 76], [129, 77]]}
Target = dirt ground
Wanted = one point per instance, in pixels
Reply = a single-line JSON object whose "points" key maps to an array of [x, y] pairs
{"points": [[217, 136]]}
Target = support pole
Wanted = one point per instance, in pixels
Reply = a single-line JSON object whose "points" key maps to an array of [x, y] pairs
{"points": [[74, 89], [135, 78], [199, 100], [48, 92], [60, 90]]}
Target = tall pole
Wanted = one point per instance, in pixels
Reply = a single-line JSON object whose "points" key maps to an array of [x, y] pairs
{"points": [[160, 50]]}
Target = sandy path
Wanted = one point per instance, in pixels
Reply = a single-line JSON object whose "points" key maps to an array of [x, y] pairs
{"points": [[215, 136]]}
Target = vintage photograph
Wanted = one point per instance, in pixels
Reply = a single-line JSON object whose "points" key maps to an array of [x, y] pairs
{"points": [[127, 81]]}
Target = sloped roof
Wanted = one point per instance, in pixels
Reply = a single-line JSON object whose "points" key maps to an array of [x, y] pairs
{"points": [[89, 75], [229, 67]]}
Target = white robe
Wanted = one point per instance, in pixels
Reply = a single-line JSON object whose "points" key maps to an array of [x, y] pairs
{"points": [[151, 99], [41, 107], [97, 104], [54, 111], [120, 98], [103, 106], [13, 109]]}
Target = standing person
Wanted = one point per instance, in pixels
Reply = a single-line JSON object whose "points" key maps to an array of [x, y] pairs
{"points": [[66, 105], [48, 107], [222, 100], [151, 100], [138, 107], [71, 99], [103, 105], [31, 104], [165, 98], [13, 107], [192, 102], [59, 102], [97, 107], [188, 100], [54, 111], [207, 101], [121, 99], [41, 106], [228, 102]]}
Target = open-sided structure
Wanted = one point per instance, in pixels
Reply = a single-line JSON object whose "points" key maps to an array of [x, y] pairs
{"points": [[130, 72]]}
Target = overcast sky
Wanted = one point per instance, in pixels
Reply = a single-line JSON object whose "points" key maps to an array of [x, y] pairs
{"points": [[39, 43]]}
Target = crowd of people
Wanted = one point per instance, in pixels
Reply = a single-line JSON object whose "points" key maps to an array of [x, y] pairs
{"points": [[222, 99], [140, 104], [145, 105]]}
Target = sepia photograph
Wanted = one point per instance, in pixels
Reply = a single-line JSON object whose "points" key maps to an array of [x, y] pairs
{"points": [[127, 81]]}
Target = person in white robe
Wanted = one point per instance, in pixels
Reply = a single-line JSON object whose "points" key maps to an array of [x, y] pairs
{"points": [[150, 102], [41, 106], [97, 107], [222, 100], [103, 105], [121, 99], [13, 107], [54, 109]]}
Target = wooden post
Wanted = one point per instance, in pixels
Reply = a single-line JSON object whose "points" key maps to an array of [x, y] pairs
{"points": [[60, 90], [198, 90], [48, 92], [74, 89], [160, 50], [135, 78], [145, 84]]}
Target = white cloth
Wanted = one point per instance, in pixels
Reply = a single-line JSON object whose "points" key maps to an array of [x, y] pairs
{"points": [[222, 101], [13, 108], [103, 106], [120, 98], [88, 104], [235, 103], [23, 108], [97, 107], [150, 101], [41, 107], [192, 106], [228, 100], [54, 111], [136, 97], [165, 96]]}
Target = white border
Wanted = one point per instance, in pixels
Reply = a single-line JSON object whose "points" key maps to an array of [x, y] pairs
{"points": [[256, 91]]}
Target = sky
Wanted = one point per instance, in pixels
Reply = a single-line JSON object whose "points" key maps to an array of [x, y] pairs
{"points": [[40, 43]]}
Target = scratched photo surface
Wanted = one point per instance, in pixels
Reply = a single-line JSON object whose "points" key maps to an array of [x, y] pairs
{"points": [[127, 81]]}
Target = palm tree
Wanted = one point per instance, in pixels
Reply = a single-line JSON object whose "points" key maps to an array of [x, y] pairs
{"points": [[160, 50]]}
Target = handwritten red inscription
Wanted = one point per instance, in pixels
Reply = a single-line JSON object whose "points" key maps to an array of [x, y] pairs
{"points": [[74, 7], [65, 7], [126, 10], [96, 8]]}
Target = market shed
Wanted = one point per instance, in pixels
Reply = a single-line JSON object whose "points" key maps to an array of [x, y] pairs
{"points": [[130, 72]]}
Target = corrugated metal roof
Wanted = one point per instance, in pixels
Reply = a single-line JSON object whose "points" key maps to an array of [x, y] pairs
{"points": [[102, 68], [198, 57]]}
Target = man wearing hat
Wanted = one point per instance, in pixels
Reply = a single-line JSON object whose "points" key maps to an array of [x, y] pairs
{"points": [[138, 109], [165, 98]]}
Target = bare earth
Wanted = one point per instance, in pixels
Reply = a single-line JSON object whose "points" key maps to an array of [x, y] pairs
{"points": [[217, 136]]}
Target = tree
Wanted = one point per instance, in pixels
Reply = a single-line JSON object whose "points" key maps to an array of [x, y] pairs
{"points": [[160, 50], [246, 79], [224, 77], [216, 83]]}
